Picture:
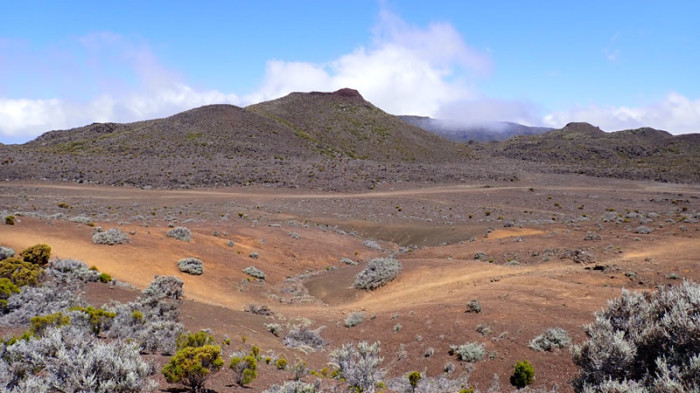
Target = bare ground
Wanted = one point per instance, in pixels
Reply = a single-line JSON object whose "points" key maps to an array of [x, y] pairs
{"points": [[435, 231]]}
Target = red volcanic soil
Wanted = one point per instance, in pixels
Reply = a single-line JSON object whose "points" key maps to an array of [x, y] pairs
{"points": [[538, 271]]}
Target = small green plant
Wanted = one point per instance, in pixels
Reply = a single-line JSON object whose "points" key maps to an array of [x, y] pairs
{"points": [[105, 278], [192, 366], [413, 378], [137, 315], [42, 322], [523, 374], [281, 363], [10, 220], [7, 288]]}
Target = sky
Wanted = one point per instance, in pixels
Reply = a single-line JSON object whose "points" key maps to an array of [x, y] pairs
{"points": [[615, 64]]}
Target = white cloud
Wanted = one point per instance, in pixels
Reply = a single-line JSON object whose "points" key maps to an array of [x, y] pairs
{"points": [[133, 86], [406, 70], [675, 114]]}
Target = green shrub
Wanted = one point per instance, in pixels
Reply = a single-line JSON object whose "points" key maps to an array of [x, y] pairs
{"points": [[413, 378], [281, 363], [10, 220], [191, 366], [38, 254], [523, 374], [7, 288], [105, 278], [194, 340], [21, 273], [41, 322]]}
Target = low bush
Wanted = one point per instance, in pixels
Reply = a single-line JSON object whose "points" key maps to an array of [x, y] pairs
{"points": [[378, 272], [192, 366], [551, 339], [190, 266], [254, 272], [180, 233], [110, 237], [7, 289], [10, 220], [293, 387], [469, 352], [32, 301], [97, 317], [304, 338], [354, 319], [523, 374], [104, 278], [68, 271], [474, 306], [274, 328], [258, 309]]}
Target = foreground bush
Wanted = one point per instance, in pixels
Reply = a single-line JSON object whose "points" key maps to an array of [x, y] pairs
{"points": [[244, 367], [378, 272], [190, 266], [358, 365], [643, 342], [192, 366], [66, 360], [38, 254]]}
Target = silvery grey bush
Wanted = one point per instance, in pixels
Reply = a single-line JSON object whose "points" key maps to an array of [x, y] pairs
{"points": [[68, 270], [469, 352], [254, 272], [191, 266], [359, 365], [550, 339], [46, 299], [110, 237], [378, 272], [72, 361], [6, 252], [643, 342], [180, 233], [294, 387]]}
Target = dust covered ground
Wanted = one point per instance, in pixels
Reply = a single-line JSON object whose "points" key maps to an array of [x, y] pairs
{"points": [[552, 249]]}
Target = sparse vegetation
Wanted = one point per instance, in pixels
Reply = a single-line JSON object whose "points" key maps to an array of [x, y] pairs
{"points": [[192, 366], [358, 365], [378, 272], [304, 338], [474, 306], [244, 367]]}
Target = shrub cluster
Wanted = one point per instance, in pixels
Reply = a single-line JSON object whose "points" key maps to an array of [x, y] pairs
{"points": [[110, 237], [180, 233], [191, 266], [378, 272], [643, 342]]}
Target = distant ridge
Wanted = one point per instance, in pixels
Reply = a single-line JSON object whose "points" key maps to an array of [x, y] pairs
{"points": [[643, 153]]}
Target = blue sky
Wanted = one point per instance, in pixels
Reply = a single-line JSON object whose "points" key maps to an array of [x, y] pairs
{"points": [[617, 65]]}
